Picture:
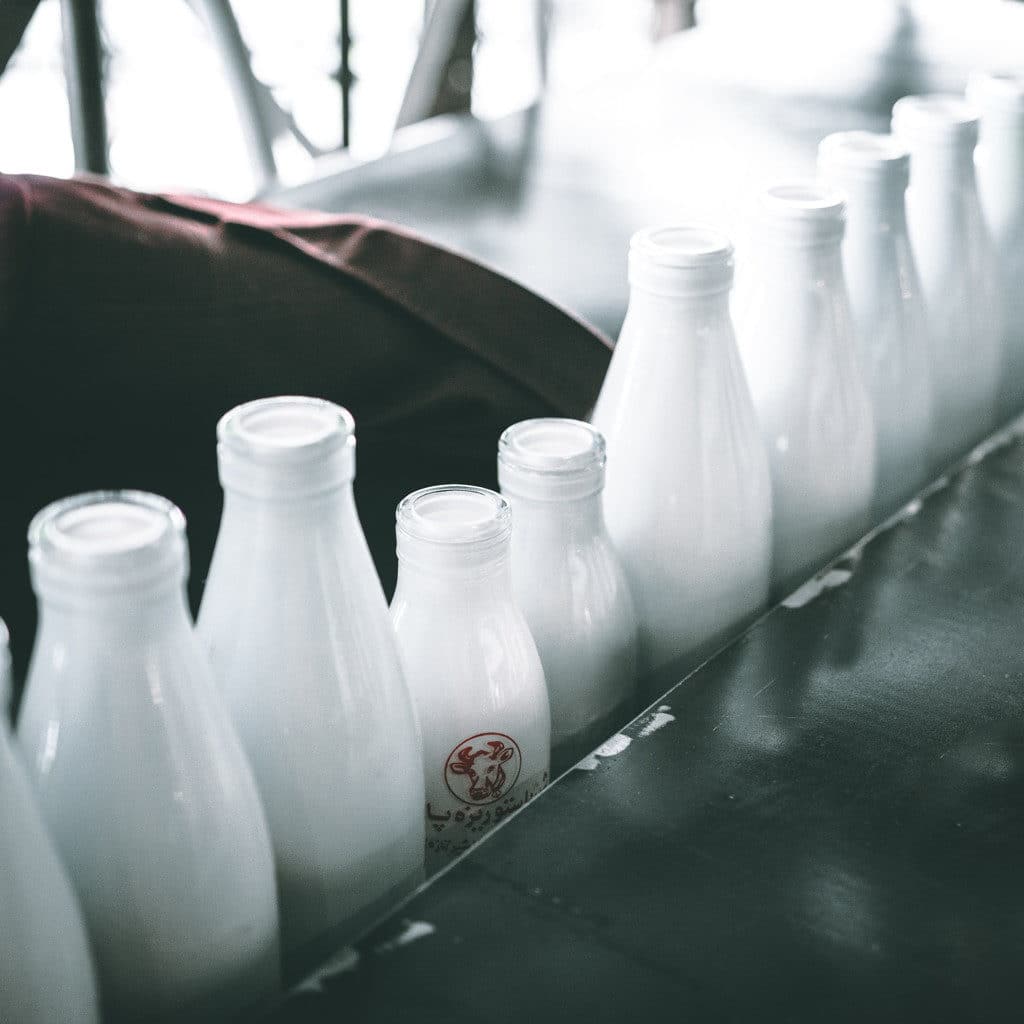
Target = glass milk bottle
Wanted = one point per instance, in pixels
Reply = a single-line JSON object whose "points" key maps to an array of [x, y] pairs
{"points": [[567, 579], [471, 663], [46, 971], [798, 345], [137, 770], [957, 266], [687, 498], [297, 627], [888, 310], [999, 166]]}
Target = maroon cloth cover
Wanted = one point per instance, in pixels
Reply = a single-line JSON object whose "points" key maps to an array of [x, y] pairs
{"points": [[129, 323]]}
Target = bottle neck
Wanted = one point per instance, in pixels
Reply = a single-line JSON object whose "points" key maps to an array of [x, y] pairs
{"points": [[661, 307], [123, 617], [441, 575], [780, 255], [576, 521], [942, 168], [1001, 146], [875, 206], [330, 508]]}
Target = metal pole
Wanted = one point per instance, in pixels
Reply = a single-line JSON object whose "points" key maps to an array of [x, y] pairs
{"points": [[345, 78], [83, 72], [223, 28], [441, 81]]}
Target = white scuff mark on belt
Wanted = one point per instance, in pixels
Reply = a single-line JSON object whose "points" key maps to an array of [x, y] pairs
{"points": [[1005, 437], [413, 930], [616, 745], [934, 487], [341, 963], [909, 510], [657, 721], [816, 586]]}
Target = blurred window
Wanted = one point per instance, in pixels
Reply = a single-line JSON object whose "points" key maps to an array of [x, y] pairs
{"points": [[172, 121]]}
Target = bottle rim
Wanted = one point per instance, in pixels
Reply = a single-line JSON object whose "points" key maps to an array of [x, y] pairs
{"points": [[682, 245], [996, 92], [552, 445], [864, 150], [682, 260], [803, 200], [804, 212], [551, 457], [109, 537], [286, 447], [286, 428], [940, 118], [454, 516]]}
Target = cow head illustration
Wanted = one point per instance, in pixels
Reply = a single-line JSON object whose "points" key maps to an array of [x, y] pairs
{"points": [[484, 766]]}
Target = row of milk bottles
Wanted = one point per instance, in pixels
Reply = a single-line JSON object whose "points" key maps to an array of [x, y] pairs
{"points": [[863, 365], [258, 787], [275, 777]]}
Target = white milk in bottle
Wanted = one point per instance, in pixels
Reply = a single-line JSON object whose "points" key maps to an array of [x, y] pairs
{"points": [[799, 348], [687, 498], [138, 771], [999, 167], [888, 309], [567, 579], [298, 631], [957, 266], [46, 972], [472, 665]]}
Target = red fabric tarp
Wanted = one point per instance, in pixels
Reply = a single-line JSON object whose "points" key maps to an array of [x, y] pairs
{"points": [[129, 323]]}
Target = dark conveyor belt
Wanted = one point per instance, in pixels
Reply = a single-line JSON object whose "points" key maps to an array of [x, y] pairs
{"points": [[823, 823]]}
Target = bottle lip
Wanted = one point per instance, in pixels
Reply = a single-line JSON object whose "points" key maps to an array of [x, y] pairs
{"points": [[454, 516], [803, 199], [682, 245], [108, 539], [287, 445], [996, 92], [286, 429], [804, 210], [685, 258], [938, 118], [551, 458], [864, 155]]}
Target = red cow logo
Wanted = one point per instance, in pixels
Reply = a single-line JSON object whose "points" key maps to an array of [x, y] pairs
{"points": [[483, 768]]}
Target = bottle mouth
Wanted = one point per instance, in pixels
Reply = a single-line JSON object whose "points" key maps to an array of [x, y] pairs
{"points": [[872, 151], [682, 245], [803, 200], [551, 459], [684, 259], [453, 529], [997, 93], [455, 515], [852, 159], [289, 445], [108, 539], [805, 211], [937, 119]]}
